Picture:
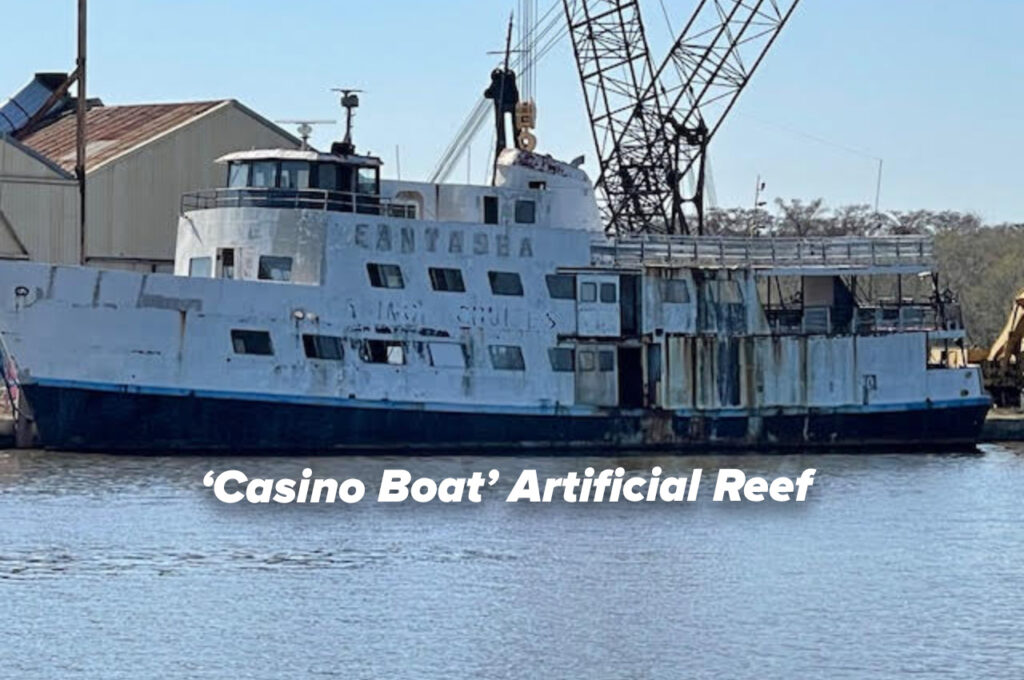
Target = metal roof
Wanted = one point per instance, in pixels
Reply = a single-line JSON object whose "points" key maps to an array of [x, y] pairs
{"points": [[298, 155], [19, 109], [114, 130]]}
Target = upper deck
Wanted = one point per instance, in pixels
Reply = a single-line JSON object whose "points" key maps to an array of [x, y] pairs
{"points": [[529, 189], [824, 256]]}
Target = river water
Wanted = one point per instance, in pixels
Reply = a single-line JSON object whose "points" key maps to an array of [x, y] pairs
{"points": [[896, 565]]}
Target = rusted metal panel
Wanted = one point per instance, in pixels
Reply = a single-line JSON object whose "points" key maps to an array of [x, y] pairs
{"points": [[112, 130], [669, 301], [780, 375], [679, 374], [830, 371]]}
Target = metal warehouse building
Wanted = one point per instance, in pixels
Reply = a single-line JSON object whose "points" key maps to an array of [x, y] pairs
{"points": [[140, 159]]}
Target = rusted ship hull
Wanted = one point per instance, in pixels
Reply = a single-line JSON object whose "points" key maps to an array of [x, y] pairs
{"points": [[111, 418]]}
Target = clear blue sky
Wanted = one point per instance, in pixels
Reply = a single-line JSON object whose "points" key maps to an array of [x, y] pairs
{"points": [[931, 86]]}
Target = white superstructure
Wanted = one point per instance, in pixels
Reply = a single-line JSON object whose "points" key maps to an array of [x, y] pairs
{"points": [[315, 306]]}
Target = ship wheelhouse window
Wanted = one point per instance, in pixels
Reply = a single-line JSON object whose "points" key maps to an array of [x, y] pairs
{"points": [[366, 181], [327, 347], [327, 176], [294, 175], [385, 275], [448, 355], [606, 361], [252, 342], [506, 283], [674, 291], [275, 268], [390, 352], [608, 292], [447, 280], [563, 359], [561, 286], [526, 212], [200, 267], [490, 209], [588, 292], [264, 174], [238, 175], [507, 358]]}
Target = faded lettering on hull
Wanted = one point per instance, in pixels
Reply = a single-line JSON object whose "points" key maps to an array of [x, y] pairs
{"points": [[387, 238]]}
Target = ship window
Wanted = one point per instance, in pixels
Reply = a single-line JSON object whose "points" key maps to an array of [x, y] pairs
{"points": [[366, 181], [588, 292], [252, 342], [608, 293], [449, 280], [526, 212], [326, 347], [273, 268], [345, 177], [327, 176], [294, 175], [561, 286], [200, 267], [264, 174], [382, 352], [563, 359], [507, 358], [238, 175], [226, 263], [587, 361], [606, 361], [448, 355], [385, 275], [674, 290], [490, 209], [505, 283]]}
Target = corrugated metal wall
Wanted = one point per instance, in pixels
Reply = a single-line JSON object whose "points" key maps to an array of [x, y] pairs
{"points": [[133, 201], [38, 208]]}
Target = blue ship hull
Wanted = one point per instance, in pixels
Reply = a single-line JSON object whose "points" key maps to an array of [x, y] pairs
{"points": [[117, 418]]}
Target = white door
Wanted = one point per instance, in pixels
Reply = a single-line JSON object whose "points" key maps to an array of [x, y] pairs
{"points": [[597, 306]]}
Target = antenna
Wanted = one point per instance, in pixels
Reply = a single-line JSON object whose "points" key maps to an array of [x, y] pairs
{"points": [[305, 128], [349, 102]]}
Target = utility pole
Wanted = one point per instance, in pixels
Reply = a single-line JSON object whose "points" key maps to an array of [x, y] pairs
{"points": [[878, 185], [758, 188], [758, 204], [80, 130]]}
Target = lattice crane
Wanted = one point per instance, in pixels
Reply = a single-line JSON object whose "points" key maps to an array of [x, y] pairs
{"points": [[652, 125]]}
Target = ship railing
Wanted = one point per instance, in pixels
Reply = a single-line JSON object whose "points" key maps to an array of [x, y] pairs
{"points": [[821, 320], [766, 252], [806, 321], [919, 317], [296, 199]]}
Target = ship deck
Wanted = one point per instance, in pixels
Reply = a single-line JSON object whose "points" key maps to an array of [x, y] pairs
{"points": [[770, 255]]}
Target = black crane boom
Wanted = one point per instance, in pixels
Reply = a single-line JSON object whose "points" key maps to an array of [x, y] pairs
{"points": [[652, 127]]}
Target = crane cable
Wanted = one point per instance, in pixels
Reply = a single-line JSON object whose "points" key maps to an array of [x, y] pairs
{"points": [[539, 33]]}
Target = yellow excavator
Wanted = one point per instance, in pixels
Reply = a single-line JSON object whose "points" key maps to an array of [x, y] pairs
{"points": [[1003, 368]]}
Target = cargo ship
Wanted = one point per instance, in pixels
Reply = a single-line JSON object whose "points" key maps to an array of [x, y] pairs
{"points": [[317, 307]]}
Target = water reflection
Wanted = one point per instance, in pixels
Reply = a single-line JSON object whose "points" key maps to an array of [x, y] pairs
{"points": [[897, 564]]}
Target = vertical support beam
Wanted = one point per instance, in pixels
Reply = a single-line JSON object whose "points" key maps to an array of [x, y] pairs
{"points": [[80, 130]]}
